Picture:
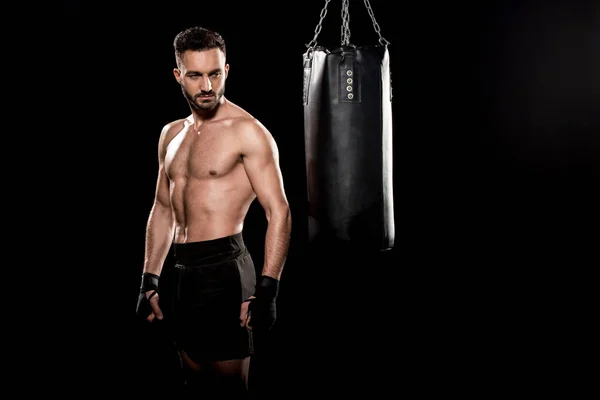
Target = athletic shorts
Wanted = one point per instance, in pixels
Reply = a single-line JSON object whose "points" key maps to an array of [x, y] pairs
{"points": [[212, 278]]}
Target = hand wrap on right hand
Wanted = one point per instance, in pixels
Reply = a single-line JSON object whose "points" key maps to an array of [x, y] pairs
{"points": [[149, 282]]}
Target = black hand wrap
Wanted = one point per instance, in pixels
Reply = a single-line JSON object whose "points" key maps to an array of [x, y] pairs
{"points": [[263, 310], [149, 282]]}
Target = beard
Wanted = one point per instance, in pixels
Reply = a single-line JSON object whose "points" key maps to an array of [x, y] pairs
{"points": [[199, 104]]}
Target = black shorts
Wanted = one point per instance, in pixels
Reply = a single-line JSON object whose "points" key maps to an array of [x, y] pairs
{"points": [[212, 278]]}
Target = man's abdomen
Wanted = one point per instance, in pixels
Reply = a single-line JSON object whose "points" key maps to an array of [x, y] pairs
{"points": [[210, 211]]}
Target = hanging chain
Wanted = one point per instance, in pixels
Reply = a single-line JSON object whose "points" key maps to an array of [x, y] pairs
{"points": [[345, 23], [313, 42], [382, 40]]}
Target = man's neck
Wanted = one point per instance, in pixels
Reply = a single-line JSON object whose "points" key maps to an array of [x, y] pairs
{"points": [[200, 116]]}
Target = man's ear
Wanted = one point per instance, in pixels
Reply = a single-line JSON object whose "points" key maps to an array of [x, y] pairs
{"points": [[226, 70], [177, 74]]}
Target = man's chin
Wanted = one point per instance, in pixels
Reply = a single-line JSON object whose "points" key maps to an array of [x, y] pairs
{"points": [[206, 105]]}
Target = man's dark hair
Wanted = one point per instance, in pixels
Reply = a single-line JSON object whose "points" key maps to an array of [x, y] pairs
{"points": [[197, 38]]}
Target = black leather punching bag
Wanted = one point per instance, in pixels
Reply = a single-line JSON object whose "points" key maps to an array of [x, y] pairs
{"points": [[348, 144]]}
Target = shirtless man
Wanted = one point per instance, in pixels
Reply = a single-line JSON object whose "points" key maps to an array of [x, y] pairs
{"points": [[212, 166]]}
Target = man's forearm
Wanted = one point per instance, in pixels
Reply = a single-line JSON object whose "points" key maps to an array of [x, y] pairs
{"points": [[277, 241], [159, 237]]}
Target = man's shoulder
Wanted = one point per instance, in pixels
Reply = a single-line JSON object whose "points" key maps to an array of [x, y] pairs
{"points": [[170, 129], [240, 119], [252, 134], [175, 125], [245, 122], [248, 127]]}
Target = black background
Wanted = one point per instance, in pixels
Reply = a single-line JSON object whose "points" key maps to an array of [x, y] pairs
{"points": [[496, 167]]}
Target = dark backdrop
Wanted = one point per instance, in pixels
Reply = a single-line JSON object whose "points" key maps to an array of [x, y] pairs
{"points": [[496, 164]]}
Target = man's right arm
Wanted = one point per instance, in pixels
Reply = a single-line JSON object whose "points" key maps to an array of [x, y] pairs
{"points": [[160, 226], [159, 236], [159, 233]]}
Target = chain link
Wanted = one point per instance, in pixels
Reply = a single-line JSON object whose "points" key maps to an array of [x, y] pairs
{"points": [[345, 28], [382, 40], [313, 42], [345, 23]]}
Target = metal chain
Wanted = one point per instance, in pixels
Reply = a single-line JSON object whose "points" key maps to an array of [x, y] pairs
{"points": [[382, 40], [313, 42], [345, 22]]}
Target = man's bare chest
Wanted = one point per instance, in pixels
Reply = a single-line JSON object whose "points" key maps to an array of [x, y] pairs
{"points": [[201, 155]]}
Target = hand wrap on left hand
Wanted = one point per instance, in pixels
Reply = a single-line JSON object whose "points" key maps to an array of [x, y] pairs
{"points": [[263, 307]]}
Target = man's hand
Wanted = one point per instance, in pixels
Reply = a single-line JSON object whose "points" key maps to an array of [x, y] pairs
{"points": [[156, 312], [262, 307], [147, 305], [245, 313]]}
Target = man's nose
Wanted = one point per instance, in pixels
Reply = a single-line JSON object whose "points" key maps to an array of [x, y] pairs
{"points": [[206, 85]]}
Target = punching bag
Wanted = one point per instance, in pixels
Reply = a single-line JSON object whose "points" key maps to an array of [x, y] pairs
{"points": [[348, 142]]}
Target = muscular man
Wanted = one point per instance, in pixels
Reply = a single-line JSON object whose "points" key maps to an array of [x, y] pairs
{"points": [[211, 166]]}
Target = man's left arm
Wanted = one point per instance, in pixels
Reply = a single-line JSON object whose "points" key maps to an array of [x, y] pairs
{"points": [[261, 161]]}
